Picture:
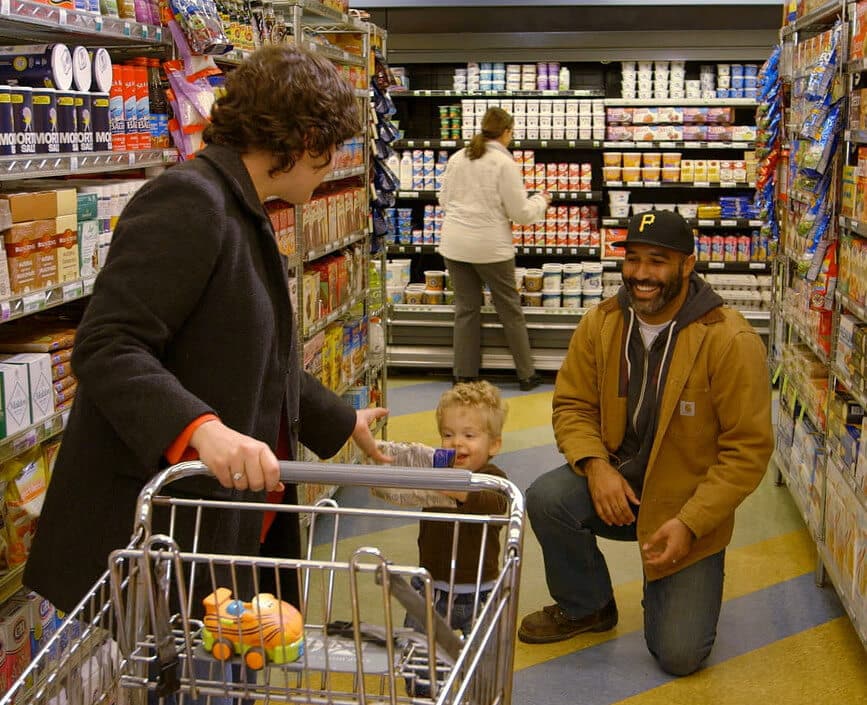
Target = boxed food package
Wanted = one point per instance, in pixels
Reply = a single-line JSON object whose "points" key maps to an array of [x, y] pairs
{"points": [[15, 638], [41, 623], [87, 206], [66, 252], [45, 235], [38, 367], [5, 287], [310, 297], [313, 355], [36, 336], [37, 205], [20, 241], [15, 400], [88, 248]]}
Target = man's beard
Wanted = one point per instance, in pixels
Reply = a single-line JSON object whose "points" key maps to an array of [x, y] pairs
{"points": [[667, 292]]}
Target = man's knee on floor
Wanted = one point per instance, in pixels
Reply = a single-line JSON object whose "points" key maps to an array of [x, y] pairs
{"points": [[679, 660]]}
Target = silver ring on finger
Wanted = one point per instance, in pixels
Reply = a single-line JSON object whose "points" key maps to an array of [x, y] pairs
{"points": [[238, 476]]}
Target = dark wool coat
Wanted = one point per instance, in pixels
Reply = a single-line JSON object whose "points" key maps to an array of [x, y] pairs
{"points": [[190, 315]]}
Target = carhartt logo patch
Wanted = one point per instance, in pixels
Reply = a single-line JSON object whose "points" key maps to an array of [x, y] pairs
{"points": [[687, 408]]}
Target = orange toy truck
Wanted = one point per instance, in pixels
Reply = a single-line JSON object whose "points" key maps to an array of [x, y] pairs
{"points": [[262, 630]]}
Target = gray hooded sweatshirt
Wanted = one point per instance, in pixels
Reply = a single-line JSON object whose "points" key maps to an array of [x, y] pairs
{"points": [[643, 373]]}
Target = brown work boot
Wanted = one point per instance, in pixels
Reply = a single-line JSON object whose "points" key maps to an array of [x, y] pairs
{"points": [[552, 624]]}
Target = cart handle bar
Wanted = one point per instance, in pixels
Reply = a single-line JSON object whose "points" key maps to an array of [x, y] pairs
{"points": [[453, 480]]}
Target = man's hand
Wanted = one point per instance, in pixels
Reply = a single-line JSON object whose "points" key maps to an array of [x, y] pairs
{"points": [[610, 492], [669, 545], [238, 461], [364, 438]]}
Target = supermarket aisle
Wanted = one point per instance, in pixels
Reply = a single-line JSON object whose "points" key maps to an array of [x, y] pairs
{"points": [[779, 636]]}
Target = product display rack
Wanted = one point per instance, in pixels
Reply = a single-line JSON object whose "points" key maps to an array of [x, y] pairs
{"points": [[408, 346], [22, 21], [819, 457]]}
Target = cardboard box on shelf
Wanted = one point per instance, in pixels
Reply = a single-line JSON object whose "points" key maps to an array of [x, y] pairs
{"points": [[36, 205], [66, 252], [20, 243], [15, 638], [88, 248], [14, 398], [45, 234], [39, 390]]}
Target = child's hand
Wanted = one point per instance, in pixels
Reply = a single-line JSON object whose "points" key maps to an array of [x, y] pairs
{"points": [[364, 438]]}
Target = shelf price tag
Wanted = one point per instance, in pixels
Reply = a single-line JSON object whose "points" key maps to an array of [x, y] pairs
{"points": [[652, 184], [666, 145], [543, 144], [448, 143], [692, 145], [61, 16], [716, 265], [127, 30], [727, 184], [72, 291], [635, 184], [758, 265], [408, 194], [706, 223], [417, 249], [558, 251], [728, 223], [702, 184], [33, 302]]}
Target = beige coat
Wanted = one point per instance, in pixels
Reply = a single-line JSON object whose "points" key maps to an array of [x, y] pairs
{"points": [[714, 436]]}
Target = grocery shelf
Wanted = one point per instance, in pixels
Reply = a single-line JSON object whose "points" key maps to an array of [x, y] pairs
{"points": [[315, 13], [854, 307], [23, 441], [843, 376], [334, 245], [685, 102], [793, 485], [531, 250], [26, 304], [11, 582], [346, 173], [721, 223], [810, 412], [856, 136], [22, 20], [433, 93], [679, 184], [715, 267], [855, 66], [676, 144], [322, 323], [854, 226], [807, 339], [55, 165], [431, 143], [839, 587], [820, 17], [586, 196], [333, 53]]}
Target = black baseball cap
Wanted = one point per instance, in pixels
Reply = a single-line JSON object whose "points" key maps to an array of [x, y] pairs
{"points": [[664, 228]]}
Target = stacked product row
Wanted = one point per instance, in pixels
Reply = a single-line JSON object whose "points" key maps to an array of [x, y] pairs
{"points": [[663, 79], [498, 76]]}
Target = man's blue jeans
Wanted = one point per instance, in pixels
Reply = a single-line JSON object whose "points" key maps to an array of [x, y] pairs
{"points": [[680, 611]]}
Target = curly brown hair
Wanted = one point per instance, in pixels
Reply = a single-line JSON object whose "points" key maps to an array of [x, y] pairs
{"points": [[285, 101]]}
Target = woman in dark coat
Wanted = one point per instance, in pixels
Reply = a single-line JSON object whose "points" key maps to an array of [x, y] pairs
{"points": [[188, 347]]}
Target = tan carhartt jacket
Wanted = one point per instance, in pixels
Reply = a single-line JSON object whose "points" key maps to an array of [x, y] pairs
{"points": [[714, 435]]}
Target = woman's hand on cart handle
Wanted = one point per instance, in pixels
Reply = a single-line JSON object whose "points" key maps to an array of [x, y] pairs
{"points": [[237, 461], [363, 436]]}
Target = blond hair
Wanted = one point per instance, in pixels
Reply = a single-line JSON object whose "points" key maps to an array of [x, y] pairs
{"points": [[482, 396]]}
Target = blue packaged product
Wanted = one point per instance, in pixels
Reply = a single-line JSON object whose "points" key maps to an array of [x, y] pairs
{"points": [[45, 121], [22, 119], [67, 123], [101, 122], [84, 121], [37, 65], [7, 125], [444, 457]]}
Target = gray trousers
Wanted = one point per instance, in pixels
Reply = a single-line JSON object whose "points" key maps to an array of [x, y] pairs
{"points": [[467, 280]]}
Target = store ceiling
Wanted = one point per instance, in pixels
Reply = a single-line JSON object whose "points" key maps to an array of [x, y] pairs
{"points": [[554, 31]]}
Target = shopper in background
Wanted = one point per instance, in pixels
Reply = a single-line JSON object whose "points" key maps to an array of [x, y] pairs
{"points": [[188, 347], [470, 418], [482, 194], [662, 409]]}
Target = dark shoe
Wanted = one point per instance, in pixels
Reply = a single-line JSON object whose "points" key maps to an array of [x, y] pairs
{"points": [[530, 383], [460, 380], [552, 624]]}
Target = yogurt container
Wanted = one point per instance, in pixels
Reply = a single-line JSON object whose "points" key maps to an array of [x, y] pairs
{"points": [[532, 298], [591, 297], [432, 297], [434, 280], [592, 276], [552, 276], [551, 299], [572, 299], [533, 279], [573, 278]]}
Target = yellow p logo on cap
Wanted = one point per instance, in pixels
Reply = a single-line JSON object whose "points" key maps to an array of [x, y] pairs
{"points": [[646, 219]]}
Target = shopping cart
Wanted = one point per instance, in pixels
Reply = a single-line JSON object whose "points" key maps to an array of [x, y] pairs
{"points": [[142, 634]]}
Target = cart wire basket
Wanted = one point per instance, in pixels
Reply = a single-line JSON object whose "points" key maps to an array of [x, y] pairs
{"points": [[346, 624]]}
